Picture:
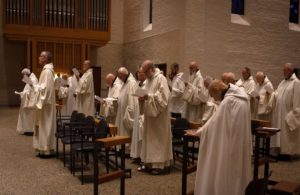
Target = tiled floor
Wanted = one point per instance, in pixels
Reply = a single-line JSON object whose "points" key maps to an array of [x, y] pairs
{"points": [[23, 173]]}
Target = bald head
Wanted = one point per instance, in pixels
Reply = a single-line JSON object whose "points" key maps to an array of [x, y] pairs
{"points": [[193, 66], [224, 77], [246, 73], [216, 89], [86, 65], [260, 77], [123, 74], [288, 70], [207, 81], [148, 68], [228, 77], [109, 79], [141, 75], [45, 57]]}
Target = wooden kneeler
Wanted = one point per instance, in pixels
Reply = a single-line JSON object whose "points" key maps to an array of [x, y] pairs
{"points": [[110, 142]]}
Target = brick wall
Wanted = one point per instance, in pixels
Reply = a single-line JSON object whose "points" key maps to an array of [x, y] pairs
{"points": [[220, 45], [183, 31], [201, 30]]}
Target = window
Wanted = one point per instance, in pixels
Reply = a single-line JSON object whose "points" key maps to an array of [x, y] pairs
{"points": [[148, 15], [150, 11], [237, 7], [238, 13], [294, 11]]}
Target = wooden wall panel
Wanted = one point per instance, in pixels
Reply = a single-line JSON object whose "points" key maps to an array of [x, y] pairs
{"points": [[59, 56], [64, 54]]}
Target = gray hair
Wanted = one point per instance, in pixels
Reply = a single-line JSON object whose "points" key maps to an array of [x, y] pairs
{"points": [[49, 56], [26, 71]]}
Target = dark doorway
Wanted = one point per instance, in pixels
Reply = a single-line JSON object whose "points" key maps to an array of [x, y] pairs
{"points": [[97, 80], [162, 67], [297, 72]]}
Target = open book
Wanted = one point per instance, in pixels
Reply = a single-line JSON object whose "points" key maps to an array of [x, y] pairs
{"points": [[99, 99], [140, 92]]}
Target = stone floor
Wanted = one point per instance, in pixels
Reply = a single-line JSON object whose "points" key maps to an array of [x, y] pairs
{"points": [[23, 173]]}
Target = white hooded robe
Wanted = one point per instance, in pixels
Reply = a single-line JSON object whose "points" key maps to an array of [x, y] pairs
{"points": [[287, 101], [85, 99], [224, 159], [44, 136], [157, 138], [195, 96], [26, 118], [127, 105]]}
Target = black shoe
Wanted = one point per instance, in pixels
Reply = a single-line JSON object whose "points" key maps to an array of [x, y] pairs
{"points": [[28, 133], [284, 157], [44, 156], [136, 161]]}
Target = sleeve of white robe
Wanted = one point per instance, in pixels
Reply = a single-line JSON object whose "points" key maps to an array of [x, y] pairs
{"points": [[29, 95], [128, 117], [250, 90], [157, 101], [24, 95], [296, 95], [45, 89], [85, 84], [195, 94], [178, 88], [294, 113]]}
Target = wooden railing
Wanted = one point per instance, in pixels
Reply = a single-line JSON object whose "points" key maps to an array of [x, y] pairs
{"points": [[55, 18]]}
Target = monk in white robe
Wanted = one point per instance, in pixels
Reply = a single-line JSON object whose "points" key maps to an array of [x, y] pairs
{"points": [[265, 90], [57, 82], [127, 103], [44, 135], [138, 124], [194, 95], [211, 105], [224, 159], [248, 83], [228, 78], [85, 95], [63, 95], [66, 93], [114, 87], [72, 82], [177, 89], [26, 118], [287, 103], [109, 106], [157, 140]]}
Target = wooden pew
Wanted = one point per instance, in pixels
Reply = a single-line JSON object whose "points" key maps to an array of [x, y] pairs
{"points": [[186, 169], [262, 155], [263, 132], [260, 128], [106, 143]]}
